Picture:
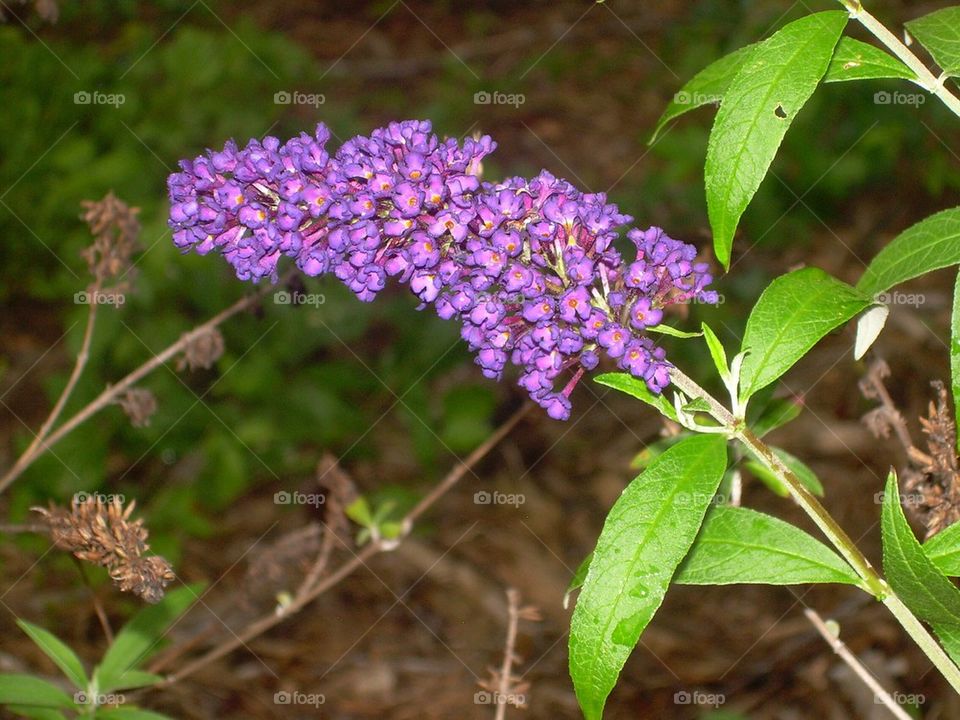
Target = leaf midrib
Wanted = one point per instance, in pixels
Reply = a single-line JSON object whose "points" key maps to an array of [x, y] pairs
{"points": [[771, 548], [633, 562]]}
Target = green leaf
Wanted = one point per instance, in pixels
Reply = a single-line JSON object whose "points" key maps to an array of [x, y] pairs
{"points": [[576, 582], [763, 99], [738, 545], [852, 60], [707, 86], [943, 549], [696, 405], [644, 538], [939, 33], [855, 60], [141, 637], [776, 413], [391, 530], [955, 356], [626, 383], [717, 353], [804, 474], [931, 244], [672, 331], [19, 689], [132, 679], [359, 512], [914, 577], [792, 314], [58, 651]]}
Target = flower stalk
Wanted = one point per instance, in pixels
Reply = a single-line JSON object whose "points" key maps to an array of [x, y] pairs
{"points": [[926, 79], [872, 581]]}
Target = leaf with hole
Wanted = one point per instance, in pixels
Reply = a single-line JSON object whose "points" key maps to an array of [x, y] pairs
{"points": [[765, 96], [852, 60]]}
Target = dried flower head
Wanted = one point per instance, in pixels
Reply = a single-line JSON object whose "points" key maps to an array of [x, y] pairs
{"points": [[101, 532], [934, 475], [115, 229], [202, 351], [139, 404]]}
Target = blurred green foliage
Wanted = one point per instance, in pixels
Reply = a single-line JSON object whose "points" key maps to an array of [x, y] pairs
{"points": [[294, 381]]}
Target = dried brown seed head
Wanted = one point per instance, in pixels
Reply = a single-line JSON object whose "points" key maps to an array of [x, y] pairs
{"points": [[115, 229], [139, 404], [99, 531], [202, 351]]}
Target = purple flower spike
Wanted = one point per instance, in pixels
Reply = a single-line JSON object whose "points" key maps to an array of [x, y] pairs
{"points": [[528, 267]]}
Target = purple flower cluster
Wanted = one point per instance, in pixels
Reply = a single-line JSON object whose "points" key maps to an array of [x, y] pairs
{"points": [[527, 266]]}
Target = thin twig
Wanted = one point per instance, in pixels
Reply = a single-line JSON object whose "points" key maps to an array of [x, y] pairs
{"points": [[97, 605], [321, 561], [23, 528], [874, 379], [109, 394], [78, 368], [506, 668], [306, 595], [840, 648]]}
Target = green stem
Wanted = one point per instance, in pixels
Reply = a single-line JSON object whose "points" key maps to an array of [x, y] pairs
{"points": [[926, 79], [931, 648], [873, 583]]}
